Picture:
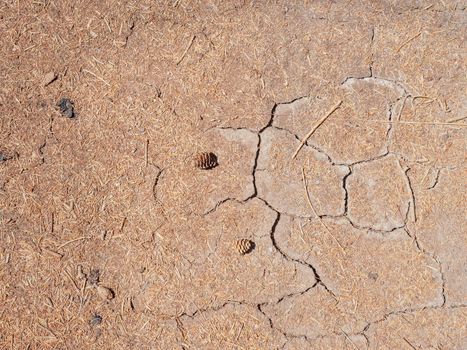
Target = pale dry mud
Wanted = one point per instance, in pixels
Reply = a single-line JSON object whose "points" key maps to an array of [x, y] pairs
{"points": [[359, 241], [180, 189], [275, 166], [378, 195]]}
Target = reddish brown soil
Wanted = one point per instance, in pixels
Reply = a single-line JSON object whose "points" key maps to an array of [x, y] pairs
{"points": [[112, 238]]}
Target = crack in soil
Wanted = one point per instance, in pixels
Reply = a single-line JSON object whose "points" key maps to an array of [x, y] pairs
{"points": [[154, 186], [411, 203], [406, 170], [436, 180], [255, 166], [284, 333], [434, 258], [275, 244], [298, 261], [372, 41], [407, 312]]}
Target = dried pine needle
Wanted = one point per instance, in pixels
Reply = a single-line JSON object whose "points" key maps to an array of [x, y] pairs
{"points": [[316, 214], [313, 129]]}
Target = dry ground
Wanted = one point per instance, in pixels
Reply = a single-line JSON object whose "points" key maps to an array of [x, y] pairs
{"points": [[360, 240]]}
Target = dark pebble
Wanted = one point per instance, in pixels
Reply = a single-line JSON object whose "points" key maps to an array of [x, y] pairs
{"points": [[66, 108], [95, 320], [4, 156]]}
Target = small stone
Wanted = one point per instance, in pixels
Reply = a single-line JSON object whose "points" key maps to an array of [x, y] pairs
{"points": [[105, 293], [5, 155], [96, 320], [49, 78], [66, 107]]}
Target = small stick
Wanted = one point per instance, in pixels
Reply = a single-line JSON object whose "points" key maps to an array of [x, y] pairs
{"points": [[53, 252], [108, 25], [47, 329], [450, 123], [73, 240], [239, 332], [456, 120], [30, 47], [426, 174], [350, 340], [186, 50], [316, 214], [423, 97], [72, 280], [83, 287], [96, 76], [122, 309], [146, 152], [123, 224], [408, 41], [313, 129], [409, 343], [50, 302]]}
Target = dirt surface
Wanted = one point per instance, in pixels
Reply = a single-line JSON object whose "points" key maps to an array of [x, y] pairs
{"points": [[111, 238]]}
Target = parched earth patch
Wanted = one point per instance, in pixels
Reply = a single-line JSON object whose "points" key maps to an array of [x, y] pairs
{"points": [[234, 175]]}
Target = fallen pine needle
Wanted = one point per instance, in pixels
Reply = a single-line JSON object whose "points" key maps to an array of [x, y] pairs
{"points": [[456, 120], [350, 340], [53, 252], [313, 129], [47, 329], [316, 214], [408, 41], [146, 152], [409, 343], [450, 123], [71, 241], [72, 280], [186, 50], [97, 77]]}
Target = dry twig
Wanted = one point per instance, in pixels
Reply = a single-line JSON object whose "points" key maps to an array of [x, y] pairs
{"points": [[408, 41], [450, 123], [316, 214], [146, 152], [186, 50], [313, 129], [97, 77], [350, 340], [71, 241]]}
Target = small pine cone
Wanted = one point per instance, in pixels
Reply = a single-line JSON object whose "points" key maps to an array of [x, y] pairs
{"points": [[206, 160], [244, 246]]}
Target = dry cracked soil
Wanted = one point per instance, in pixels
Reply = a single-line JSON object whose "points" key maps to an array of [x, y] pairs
{"points": [[340, 133]]}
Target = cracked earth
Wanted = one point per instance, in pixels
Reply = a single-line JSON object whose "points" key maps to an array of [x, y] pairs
{"points": [[359, 236]]}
